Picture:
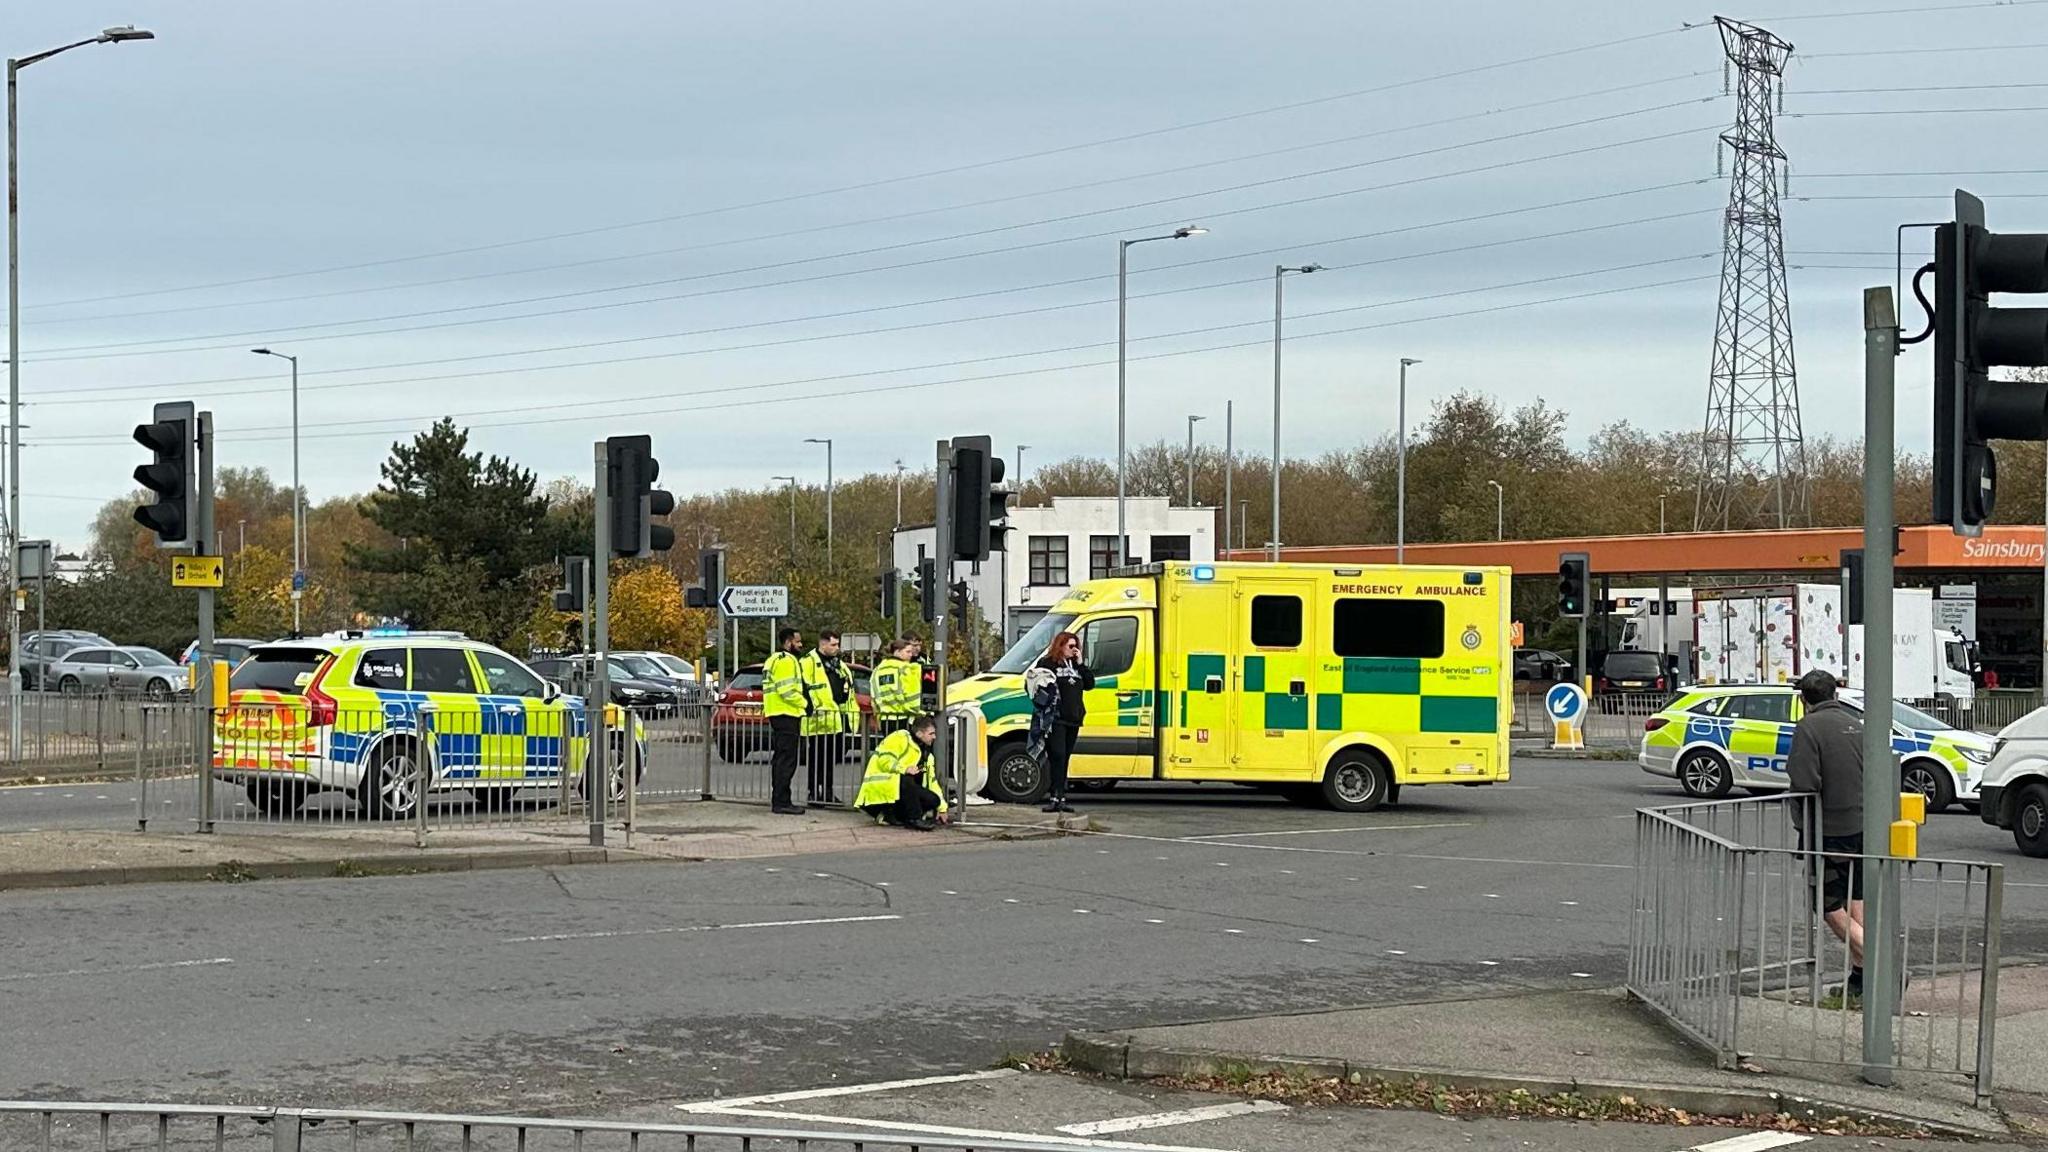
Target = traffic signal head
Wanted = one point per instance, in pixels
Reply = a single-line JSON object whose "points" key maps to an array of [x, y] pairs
{"points": [[1852, 585], [928, 589], [998, 512], [1970, 339], [172, 437], [574, 592], [634, 504], [1571, 584], [959, 591], [885, 589], [975, 470]]}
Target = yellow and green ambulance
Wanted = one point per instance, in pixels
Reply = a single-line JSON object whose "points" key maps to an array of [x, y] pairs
{"points": [[1338, 684]]}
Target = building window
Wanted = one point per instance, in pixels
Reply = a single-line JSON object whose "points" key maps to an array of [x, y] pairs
{"points": [[1102, 555], [1172, 548], [1048, 560], [1390, 629]]}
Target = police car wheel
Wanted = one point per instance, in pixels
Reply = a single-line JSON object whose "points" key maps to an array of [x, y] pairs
{"points": [[1357, 781], [615, 774], [392, 787], [1015, 775], [276, 797], [1931, 780], [1704, 774], [2030, 820]]}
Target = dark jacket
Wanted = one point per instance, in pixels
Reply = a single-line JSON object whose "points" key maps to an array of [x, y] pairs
{"points": [[1071, 678], [1827, 758]]}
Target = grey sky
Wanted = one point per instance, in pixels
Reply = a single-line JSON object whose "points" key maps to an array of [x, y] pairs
{"points": [[259, 139]]}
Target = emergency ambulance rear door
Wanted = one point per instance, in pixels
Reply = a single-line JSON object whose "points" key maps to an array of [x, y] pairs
{"points": [[1274, 632], [1199, 679], [1118, 738]]}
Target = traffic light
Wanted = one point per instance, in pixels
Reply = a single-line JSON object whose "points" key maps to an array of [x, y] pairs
{"points": [[1970, 339], [998, 513], [960, 603], [635, 503], [1571, 583], [571, 596], [1852, 585], [976, 469], [885, 589], [172, 437], [710, 579], [928, 589]]}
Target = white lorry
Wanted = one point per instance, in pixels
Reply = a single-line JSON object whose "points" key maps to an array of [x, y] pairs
{"points": [[1645, 626], [1776, 634]]}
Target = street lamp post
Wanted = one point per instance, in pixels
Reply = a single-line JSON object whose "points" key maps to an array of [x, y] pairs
{"points": [[1123, 248], [1192, 421], [14, 66], [827, 442], [899, 494], [1660, 512], [1401, 467], [1500, 510], [298, 511], [1229, 467], [1280, 272], [792, 516]]}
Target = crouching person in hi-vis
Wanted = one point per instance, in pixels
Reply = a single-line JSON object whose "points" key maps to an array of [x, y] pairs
{"points": [[902, 785]]}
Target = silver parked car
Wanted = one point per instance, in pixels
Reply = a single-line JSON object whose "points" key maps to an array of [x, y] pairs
{"points": [[131, 669], [39, 650]]}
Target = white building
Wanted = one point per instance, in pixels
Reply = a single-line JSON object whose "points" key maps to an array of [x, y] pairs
{"points": [[1052, 548]]}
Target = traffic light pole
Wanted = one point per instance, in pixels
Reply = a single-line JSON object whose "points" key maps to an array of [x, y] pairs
{"points": [[1880, 771], [942, 525], [597, 775], [203, 655]]}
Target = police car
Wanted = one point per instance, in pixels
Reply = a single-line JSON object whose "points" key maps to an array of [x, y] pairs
{"points": [[360, 712], [1714, 739]]}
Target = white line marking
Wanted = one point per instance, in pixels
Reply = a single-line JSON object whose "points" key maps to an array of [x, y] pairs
{"points": [[1081, 911], [1310, 940], [1569, 903], [1493, 895], [1582, 975], [1155, 921], [1395, 952], [1233, 931], [1420, 887], [1009, 900], [1213, 836], [698, 928], [947, 892], [161, 965], [1491, 963], [729, 1102], [1752, 1142], [1169, 1119], [980, 1134]]}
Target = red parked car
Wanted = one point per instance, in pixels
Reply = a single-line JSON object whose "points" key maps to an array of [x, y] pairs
{"points": [[737, 726]]}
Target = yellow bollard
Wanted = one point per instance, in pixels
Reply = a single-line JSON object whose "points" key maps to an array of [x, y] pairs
{"points": [[1913, 806], [1905, 840]]}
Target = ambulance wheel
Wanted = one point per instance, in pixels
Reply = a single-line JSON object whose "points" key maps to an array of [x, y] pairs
{"points": [[1091, 785], [1930, 779], [1015, 776], [1357, 781], [391, 788], [2030, 819], [1703, 773], [276, 797]]}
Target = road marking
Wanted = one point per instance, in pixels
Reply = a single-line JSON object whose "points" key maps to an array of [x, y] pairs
{"points": [[1569, 903], [1233, 931], [1395, 952], [1209, 836], [1491, 963], [976, 1134], [1753, 1142], [1310, 940], [698, 928], [722, 1104], [13, 977], [947, 892], [1169, 1119], [1155, 921], [1582, 975], [1493, 895], [1377, 855]]}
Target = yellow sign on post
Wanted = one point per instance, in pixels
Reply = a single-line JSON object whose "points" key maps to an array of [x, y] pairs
{"points": [[197, 571]]}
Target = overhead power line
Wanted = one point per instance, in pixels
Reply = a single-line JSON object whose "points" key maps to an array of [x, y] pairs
{"points": [[1899, 11], [1921, 51], [883, 182]]}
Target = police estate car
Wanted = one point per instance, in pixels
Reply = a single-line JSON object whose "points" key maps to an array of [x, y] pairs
{"points": [[359, 712], [1713, 739]]}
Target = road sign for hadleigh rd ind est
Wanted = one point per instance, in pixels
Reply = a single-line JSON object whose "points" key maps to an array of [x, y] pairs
{"points": [[754, 600]]}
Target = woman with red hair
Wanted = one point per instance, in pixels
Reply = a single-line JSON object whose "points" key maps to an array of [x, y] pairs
{"points": [[1070, 680]]}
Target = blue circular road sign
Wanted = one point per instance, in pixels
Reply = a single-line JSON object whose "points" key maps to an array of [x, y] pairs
{"points": [[1565, 701]]}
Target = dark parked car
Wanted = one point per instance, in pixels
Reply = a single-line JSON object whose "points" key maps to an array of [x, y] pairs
{"points": [[1541, 664], [649, 697], [737, 724], [1625, 675]]}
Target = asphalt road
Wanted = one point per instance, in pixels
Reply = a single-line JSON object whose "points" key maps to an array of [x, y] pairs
{"points": [[593, 988]]}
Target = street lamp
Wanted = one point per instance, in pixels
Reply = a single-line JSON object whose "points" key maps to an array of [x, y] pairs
{"points": [[792, 516], [109, 36], [1192, 421], [827, 442], [1661, 497], [1280, 272], [1123, 247], [298, 513], [1021, 449], [1500, 505], [1401, 467]]}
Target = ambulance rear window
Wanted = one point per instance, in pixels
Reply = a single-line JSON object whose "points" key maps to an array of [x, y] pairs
{"points": [[1388, 629], [277, 670]]}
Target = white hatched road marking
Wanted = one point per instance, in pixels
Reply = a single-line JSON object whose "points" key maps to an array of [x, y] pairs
{"points": [[721, 1105], [697, 928], [1753, 1142], [948, 1130], [159, 966], [1170, 1119]]}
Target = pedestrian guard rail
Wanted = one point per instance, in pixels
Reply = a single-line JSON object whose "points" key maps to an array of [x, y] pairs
{"points": [[43, 1126], [1727, 943]]}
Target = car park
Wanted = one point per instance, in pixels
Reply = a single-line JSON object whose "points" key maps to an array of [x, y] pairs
{"points": [[1716, 738], [134, 669]]}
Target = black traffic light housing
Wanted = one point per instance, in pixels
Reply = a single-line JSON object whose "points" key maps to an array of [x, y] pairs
{"points": [[635, 505], [960, 605], [575, 589], [928, 594], [710, 579], [886, 591], [1970, 339], [976, 472], [1572, 569], [172, 437], [1852, 585]]}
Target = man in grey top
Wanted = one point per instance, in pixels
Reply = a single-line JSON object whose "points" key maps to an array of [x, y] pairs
{"points": [[1827, 761]]}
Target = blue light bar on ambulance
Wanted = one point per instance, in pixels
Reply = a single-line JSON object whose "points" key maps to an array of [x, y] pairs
{"points": [[1203, 572]]}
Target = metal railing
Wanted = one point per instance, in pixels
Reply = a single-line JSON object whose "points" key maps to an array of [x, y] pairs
{"points": [[75, 732], [44, 1126], [1727, 943]]}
